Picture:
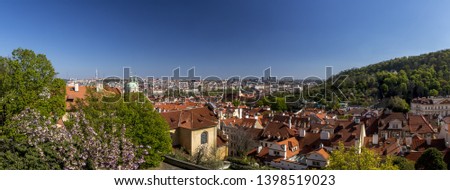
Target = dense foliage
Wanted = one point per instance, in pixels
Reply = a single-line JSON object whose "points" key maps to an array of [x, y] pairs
{"points": [[32, 141], [402, 163], [406, 78], [350, 159], [431, 159], [146, 127], [275, 103]]}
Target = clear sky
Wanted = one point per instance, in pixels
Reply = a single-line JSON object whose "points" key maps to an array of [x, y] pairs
{"points": [[222, 37]]}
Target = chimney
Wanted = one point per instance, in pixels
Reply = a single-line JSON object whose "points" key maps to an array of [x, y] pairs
{"points": [[375, 139], [285, 150], [290, 122], [240, 113], [428, 139], [76, 87], [302, 132], [362, 133], [220, 114], [259, 149], [385, 136], [408, 141], [357, 120]]}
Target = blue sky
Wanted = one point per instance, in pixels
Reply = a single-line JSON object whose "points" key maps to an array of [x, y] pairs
{"points": [[222, 37]]}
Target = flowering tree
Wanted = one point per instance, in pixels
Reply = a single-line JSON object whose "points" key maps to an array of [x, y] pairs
{"points": [[145, 126], [40, 144]]}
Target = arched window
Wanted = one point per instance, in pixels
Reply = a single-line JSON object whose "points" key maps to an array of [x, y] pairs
{"points": [[204, 138]]}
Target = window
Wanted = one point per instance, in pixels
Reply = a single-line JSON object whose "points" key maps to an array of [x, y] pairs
{"points": [[314, 163], [395, 126], [204, 137]]}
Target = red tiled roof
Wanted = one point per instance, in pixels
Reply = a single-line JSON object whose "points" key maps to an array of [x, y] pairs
{"points": [[446, 119], [419, 144], [413, 156], [323, 153], [290, 144], [385, 146], [296, 121], [191, 119], [72, 96], [418, 124], [446, 101], [422, 100], [244, 122], [264, 152], [276, 129]]}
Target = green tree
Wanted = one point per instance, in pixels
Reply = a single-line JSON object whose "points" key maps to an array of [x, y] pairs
{"points": [[146, 128], [396, 104], [29, 80], [402, 163], [434, 92], [279, 104], [431, 159], [405, 77], [33, 141], [350, 159], [262, 102]]}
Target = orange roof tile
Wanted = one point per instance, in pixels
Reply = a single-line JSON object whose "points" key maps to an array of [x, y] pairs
{"points": [[323, 153], [195, 118], [72, 96]]}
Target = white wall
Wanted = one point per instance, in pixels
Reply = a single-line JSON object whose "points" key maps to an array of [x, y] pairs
{"points": [[314, 157], [395, 122], [287, 165]]}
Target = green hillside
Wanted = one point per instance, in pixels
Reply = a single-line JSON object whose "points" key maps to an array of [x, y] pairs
{"points": [[406, 77]]}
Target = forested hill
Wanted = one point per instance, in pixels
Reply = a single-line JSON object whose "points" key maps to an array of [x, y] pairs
{"points": [[406, 77]]}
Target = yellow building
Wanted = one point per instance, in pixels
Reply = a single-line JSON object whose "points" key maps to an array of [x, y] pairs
{"points": [[192, 128]]}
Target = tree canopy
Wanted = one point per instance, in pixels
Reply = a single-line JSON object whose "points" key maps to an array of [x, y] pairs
{"points": [[405, 77], [431, 159], [146, 128], [402, 163], [396, 104], [29, 80], [35, 142], [350, 159], [121, 132]]}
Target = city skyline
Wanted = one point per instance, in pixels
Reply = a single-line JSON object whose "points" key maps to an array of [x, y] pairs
{"points": [[222, 38]]}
